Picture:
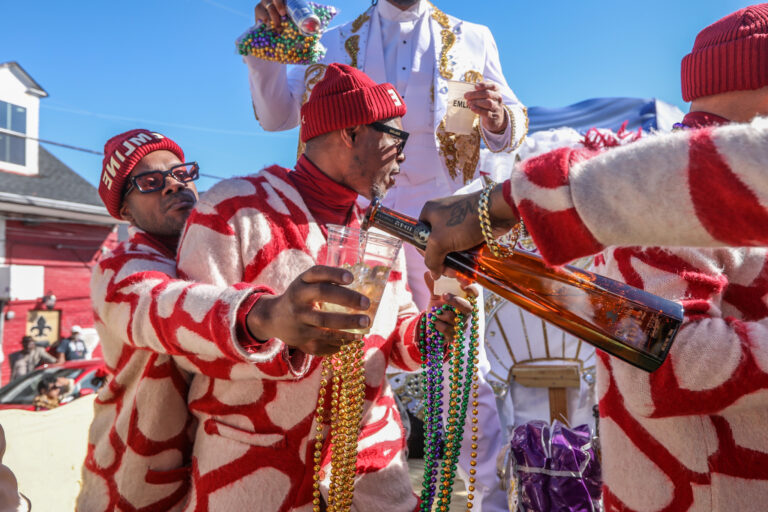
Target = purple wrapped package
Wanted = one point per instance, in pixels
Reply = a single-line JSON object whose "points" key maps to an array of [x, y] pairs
{"points": [[552, 469]]}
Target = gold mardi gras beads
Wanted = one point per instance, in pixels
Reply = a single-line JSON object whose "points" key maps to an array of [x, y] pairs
{"points": [[286, 44], [319, 420], [346, 412]]}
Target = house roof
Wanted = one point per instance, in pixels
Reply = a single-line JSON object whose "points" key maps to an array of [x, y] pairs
{"points": [[55, 180], [32, 86]]}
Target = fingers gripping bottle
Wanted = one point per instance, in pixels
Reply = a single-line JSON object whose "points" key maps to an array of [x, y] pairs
{"points": [[626, 322]]}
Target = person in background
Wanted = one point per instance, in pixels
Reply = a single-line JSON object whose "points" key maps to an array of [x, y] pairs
{"points": [[30, 357], [50, 391], [72, 348]]}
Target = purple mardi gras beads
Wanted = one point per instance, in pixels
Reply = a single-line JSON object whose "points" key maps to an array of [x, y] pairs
{"points": [[287, 43]]}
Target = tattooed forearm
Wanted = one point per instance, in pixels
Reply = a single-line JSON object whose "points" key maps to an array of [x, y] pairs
{"points": [[458, 212]]}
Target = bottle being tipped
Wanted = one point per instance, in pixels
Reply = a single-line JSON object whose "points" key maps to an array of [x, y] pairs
{"points": [[626, 322]]}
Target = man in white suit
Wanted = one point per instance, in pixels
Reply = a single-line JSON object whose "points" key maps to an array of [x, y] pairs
{"points": [[419, 49]]}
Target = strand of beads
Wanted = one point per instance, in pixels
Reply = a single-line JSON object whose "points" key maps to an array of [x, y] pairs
{"points": [[473, 351], [334, 434], [455, 421], [286, 43], [460, 386], [347, 397], [327, 368], [432, 382], [471, 383]]}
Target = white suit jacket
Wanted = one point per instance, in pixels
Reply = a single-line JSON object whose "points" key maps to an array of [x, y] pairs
{"points": [[437, 162]]}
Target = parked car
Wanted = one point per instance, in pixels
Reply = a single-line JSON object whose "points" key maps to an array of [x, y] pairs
{"points": [[88, 375]]}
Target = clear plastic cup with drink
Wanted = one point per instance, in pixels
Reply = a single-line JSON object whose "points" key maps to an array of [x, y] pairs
{"points": [[369, 255]]}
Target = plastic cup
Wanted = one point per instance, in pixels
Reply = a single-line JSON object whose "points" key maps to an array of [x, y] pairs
{"points": [[369, 256]]}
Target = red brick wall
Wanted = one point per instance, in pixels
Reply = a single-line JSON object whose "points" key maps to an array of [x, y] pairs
{"points": [[68, 251]]}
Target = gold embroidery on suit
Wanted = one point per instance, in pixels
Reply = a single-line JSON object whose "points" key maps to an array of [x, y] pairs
{"points": [[360, 21], [352, 45], [473, 76], [447, 39], [313, 74], [461, 153]]}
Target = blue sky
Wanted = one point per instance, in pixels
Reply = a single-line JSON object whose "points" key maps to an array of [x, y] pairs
{"points": [[171, 66]]}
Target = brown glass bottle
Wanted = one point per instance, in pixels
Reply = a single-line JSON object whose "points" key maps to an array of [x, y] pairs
{"points": [[623, 321]]}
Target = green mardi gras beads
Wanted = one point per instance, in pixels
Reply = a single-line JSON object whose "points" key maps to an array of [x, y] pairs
{"points": [[286, 44]]}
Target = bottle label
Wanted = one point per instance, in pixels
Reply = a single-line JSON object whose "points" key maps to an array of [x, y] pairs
{"points": [[401, 226], [298, 9]]}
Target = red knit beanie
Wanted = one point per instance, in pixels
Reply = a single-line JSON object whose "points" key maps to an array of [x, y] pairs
{"points": [[347, 97], [729, 55], [121, 154]]}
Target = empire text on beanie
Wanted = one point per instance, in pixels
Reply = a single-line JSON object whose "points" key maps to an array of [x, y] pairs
{"points": [[729, 55], [347, 97], [121, 154]]}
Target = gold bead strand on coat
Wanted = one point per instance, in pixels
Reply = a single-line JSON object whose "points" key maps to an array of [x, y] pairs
{"points": [[347, 400], [352, 398], [340, 465], [319, 420], [333, 432], [357, 397]]}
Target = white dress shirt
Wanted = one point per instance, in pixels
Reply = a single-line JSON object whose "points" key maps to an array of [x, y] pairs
{"points": [[400, 31]]}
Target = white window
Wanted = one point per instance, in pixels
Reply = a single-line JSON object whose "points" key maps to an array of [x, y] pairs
{"points": [[13, 119]]}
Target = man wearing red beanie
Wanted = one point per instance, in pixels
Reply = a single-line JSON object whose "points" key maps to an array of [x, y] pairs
{"points": [[686, 437], [156, 330], [691, 435], [256, 437]]}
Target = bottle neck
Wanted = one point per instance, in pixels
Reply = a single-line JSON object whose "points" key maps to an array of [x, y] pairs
{"points": [[396, 224]]}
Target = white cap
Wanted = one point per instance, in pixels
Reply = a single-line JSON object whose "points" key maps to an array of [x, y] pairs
{"points": [[76, 329]]}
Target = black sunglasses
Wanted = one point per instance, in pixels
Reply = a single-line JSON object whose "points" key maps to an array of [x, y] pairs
{"points": [[399, 134], [152, 181]]}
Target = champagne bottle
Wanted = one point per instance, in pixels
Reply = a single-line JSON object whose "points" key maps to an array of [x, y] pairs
{"points": [[626, 322]]}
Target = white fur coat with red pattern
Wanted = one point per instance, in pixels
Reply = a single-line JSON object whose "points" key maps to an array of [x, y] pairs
{"points": [[692, 436], [155, 331], [253, 447]]}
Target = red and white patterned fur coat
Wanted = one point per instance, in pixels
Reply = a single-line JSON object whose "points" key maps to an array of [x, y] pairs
{"points": [[254, 442], [694, 434], [139, 443]]}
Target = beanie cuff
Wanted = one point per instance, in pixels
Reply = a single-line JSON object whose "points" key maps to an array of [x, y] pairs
{"points": [[122, 153], [737, 65], [354, 107]]}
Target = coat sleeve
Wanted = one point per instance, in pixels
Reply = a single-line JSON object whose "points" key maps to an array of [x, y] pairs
{"points": [[698, 188], [138, 300], [517, 129], [405, 338], [720, 355], [276, 92], [225, 230]]}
